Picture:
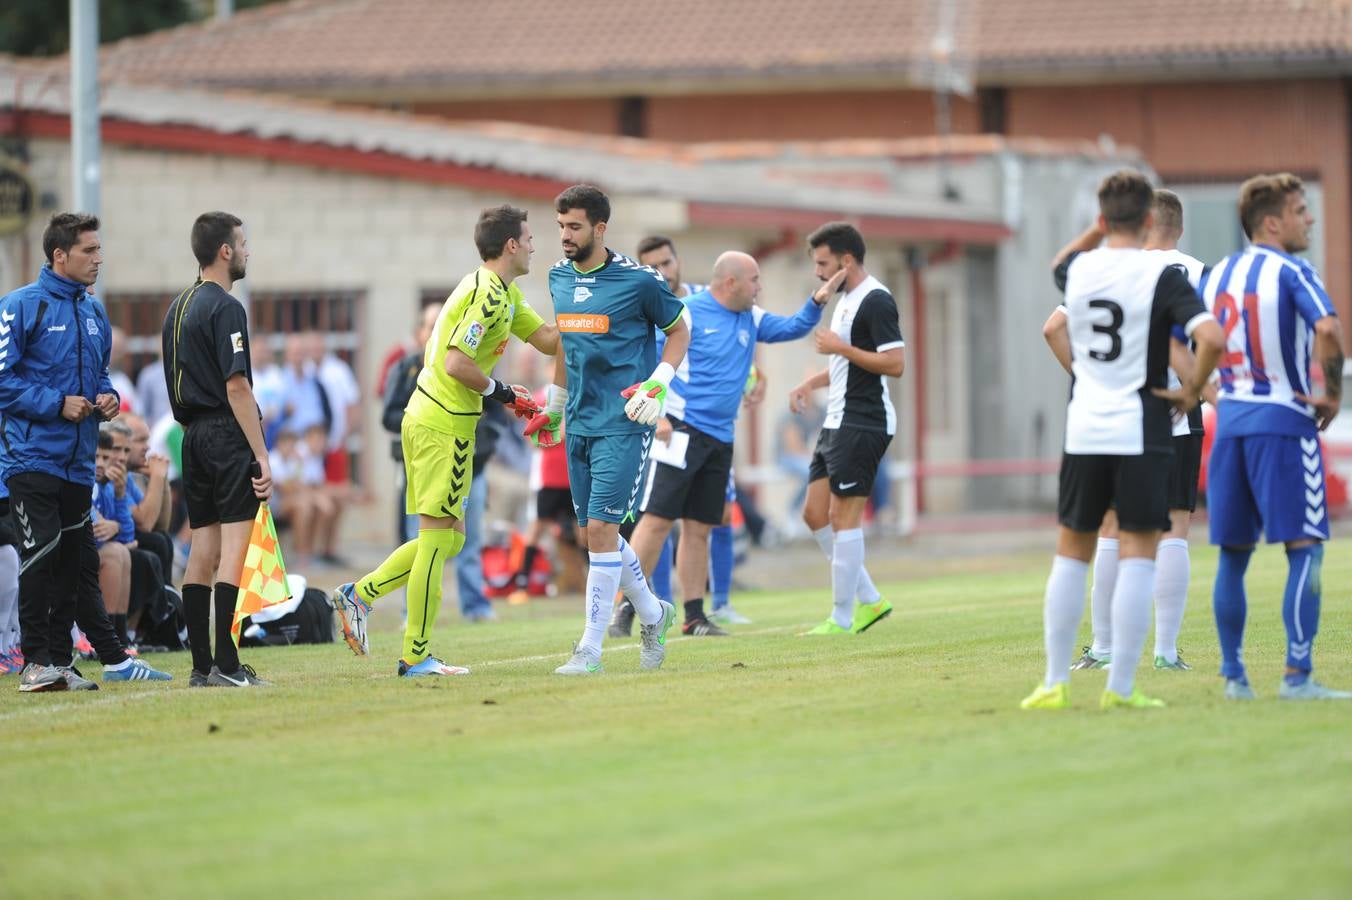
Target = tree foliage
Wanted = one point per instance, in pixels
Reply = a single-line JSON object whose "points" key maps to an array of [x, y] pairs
{"points": [[42, 27]]}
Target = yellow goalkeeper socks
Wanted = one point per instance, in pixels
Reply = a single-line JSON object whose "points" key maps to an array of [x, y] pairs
{"points": [[390, 575], [434, 547]]}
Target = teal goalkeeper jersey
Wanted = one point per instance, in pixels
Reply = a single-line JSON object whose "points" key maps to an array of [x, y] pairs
{"points": [[606, 319]]}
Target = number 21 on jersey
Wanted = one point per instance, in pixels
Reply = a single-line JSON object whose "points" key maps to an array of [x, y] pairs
{"points": [[1232, 361]]}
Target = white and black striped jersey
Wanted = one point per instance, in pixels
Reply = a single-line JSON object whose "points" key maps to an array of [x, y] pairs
{"points": [[866, 318], [1193, 268], [1121, 304]]}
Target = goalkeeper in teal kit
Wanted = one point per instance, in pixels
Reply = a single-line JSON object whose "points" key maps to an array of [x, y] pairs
{"points": [[610, 388]]}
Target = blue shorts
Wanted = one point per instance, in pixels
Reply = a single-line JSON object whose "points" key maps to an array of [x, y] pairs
{"points": [[1266, 483], [605, 473]]}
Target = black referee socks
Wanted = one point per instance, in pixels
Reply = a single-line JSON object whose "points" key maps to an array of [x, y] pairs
{"points": [[227, 657], [197, 610]]}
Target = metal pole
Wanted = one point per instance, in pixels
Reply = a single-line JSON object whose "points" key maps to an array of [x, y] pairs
{"points": [[84, 104], [225, 9]]}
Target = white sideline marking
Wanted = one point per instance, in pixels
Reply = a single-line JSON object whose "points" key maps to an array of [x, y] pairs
{"points": [[92, 702], [633, 646]]}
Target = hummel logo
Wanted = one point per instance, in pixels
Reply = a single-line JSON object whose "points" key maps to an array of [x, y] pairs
{"points": [[29, 541], [5, 329], [7, 316], [846, 487]]}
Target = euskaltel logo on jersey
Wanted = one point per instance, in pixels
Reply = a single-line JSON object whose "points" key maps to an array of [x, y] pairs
{"points": [[588, 323]]}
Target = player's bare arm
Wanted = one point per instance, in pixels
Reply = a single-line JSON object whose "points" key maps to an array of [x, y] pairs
{"points": [[462, 367], [798, 396], [245, 408], [888, 362], [1328, 350], [1210, 341], [545, 339], [1088, 240], [1181, 360], [678, 342], [1056, 332]]}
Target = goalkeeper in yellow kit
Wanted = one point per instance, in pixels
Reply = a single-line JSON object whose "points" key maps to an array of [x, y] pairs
{"points": [[470, 336]]}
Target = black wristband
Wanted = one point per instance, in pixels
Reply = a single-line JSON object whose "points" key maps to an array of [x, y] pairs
{"points": [[503, 393]]}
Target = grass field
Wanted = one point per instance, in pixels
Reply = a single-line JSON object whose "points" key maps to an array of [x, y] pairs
{"points": [[892, 764]]}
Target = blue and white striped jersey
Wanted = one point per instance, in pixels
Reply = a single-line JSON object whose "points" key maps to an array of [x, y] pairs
{"points": [[1267, 303]]}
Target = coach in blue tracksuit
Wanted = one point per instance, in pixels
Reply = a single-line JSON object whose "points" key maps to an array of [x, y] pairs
{"points": [[54, 390], [691, 485]]}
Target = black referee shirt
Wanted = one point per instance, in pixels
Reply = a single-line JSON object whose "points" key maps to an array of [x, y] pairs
{"points": [[205, 341]]}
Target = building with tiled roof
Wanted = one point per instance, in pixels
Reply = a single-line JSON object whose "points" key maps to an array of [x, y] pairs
{"points": [[355, 215], [1210, 91]]}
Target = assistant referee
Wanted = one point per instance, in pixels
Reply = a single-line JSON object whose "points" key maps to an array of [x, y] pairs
{"points": [[225, 462]]}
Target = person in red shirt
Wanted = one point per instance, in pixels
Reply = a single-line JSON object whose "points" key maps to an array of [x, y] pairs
{"points": [[553, 507]]}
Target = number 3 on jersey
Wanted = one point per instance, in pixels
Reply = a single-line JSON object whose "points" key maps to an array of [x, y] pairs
{"points": [[1227, 314], [1112, 328]]}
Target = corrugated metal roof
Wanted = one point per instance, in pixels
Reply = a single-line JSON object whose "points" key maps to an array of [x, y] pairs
{"points": [[789, 176]]}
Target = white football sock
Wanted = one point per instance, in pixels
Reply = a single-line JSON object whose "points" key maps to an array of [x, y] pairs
{"points": [[1131, 621], [1101, 596], [1062, 609], [847, 561], [9, 597], [603, 580], [866, 592], [635, 586], [1172, 570]]}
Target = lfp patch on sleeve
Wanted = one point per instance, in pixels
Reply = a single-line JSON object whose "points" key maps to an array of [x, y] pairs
{"points": [[473, 335], [237, 341]]}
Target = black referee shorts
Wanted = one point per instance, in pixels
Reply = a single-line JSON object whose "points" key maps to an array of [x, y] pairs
{"points": [[1185, 471], [1138, 486], [217, 481], [700, 490], [849, 458]]}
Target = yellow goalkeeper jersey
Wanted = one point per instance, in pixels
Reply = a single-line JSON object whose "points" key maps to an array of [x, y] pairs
{"points": [[478, 319]]}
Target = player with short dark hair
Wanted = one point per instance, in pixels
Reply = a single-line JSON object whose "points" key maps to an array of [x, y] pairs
{"points": [[1121, 304], [863, 345], [55, 345], [1266, 472], [1172, 562], [438, 429], [611, 394], [209, 370]]}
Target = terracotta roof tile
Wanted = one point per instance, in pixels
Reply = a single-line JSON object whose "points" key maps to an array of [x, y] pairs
{"points": [[445, 46]]}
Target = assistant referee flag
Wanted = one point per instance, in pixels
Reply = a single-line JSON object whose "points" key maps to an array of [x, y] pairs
{"points": [[262, 583]]}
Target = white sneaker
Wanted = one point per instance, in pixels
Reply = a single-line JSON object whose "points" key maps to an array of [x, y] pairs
{"points": [[1309, 689], [726, 615], [654, 638], [353, 610], [583, 662]]}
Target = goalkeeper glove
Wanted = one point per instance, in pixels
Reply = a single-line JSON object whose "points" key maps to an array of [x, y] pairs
{"points": [[647, 398], [515, 397], [543, 429]]}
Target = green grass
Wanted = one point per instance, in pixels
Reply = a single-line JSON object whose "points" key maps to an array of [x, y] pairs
{"points": [[764, 765]]}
